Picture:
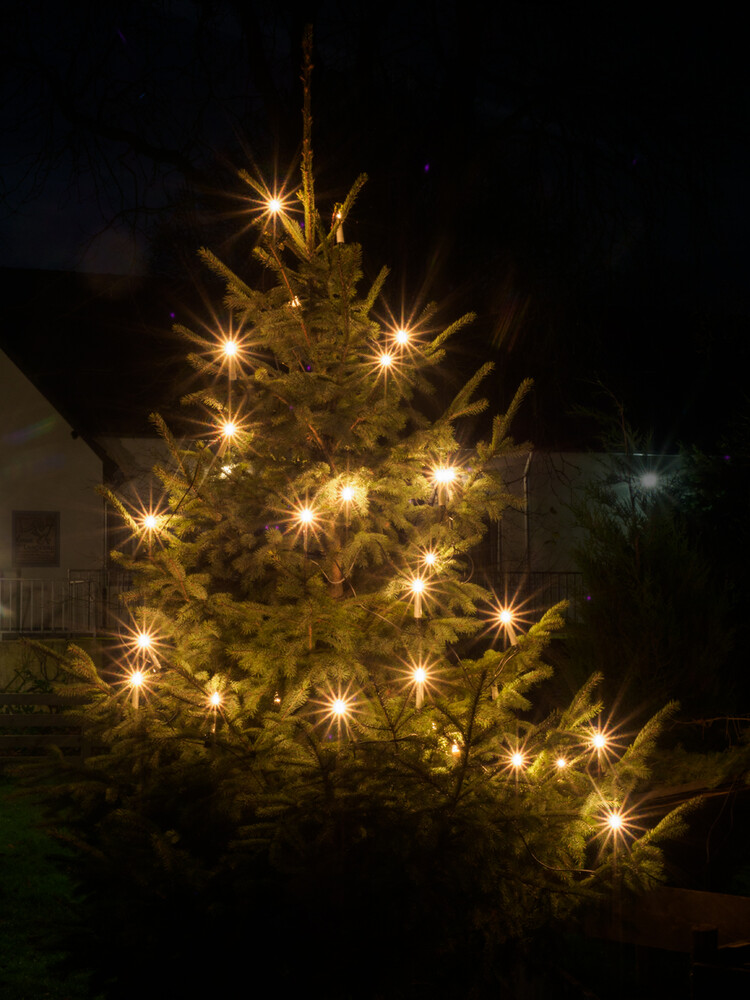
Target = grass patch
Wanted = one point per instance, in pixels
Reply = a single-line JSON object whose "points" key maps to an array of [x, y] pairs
{"points": [[37, 905]]}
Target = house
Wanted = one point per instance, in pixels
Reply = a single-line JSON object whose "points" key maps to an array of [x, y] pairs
{"points": [[51, 518]]}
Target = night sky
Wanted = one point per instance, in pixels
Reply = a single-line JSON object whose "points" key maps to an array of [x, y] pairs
{"points": [[576, 179]]}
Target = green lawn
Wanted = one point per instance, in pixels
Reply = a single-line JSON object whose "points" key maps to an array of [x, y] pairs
{"points": [[37, 900]]}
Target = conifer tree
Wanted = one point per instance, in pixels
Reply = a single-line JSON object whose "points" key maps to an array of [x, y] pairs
{"points": [[320, 742]]}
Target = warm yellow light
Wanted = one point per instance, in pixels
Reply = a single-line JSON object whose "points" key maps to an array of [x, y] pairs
{"points": [[614, 820], [339, 707], [517, 759], [402, 336], [230, 348], [455, 748], [417, 585], [347, 494], [150, 522], [446, 474], [274, 205], [599, 740], [561, 763], [430, 558], [228, 429], [136, 679], [420, 675], [143, 640], [385, 359], [215, 699], [505, 617], [306, 515]]}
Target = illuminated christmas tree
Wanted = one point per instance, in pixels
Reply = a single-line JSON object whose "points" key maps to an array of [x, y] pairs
{"points": [[321, 745]]}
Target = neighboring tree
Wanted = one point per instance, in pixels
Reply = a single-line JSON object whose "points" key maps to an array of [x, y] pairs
{"points": [[317, 761], [657, 609]]}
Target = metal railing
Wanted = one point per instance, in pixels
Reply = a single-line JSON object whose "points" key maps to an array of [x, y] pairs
{"points": [[85, 603]]}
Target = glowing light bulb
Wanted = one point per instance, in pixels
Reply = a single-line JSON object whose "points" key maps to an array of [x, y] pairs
{"points": [[417, 585], [444, 475], [430, 558], [402, 336], [339, 707], [517, 759], [420, 675], [385, 359], [274, 206], [306, 515], [599, 740], [215, 699], [505, 617], [614, 821], [150, 522], [649, 480], [143, 640], [455, 748], [228, 429], [561, 763], [137, 679], [347, 494], [230, 348]]}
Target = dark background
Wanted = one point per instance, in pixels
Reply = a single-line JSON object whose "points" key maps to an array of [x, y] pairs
{"points": [[575, 177]]}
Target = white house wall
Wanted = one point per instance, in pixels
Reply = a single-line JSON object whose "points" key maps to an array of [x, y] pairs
{"points": [[43, 467]]}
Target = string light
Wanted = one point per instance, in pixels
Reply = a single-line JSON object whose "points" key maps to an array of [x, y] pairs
{"points": [[455, 749], [385, 359], [443, 476], [230, 348], [614, 821], [136, 680], [214, 699], [419, 675], [143, 640], [347, 493], [402, 336], [274, 206], [228, 429], [599, 740], [429, 558], [561, 763], [517, 759], [306, 516], [417, 586], [150, 522]]}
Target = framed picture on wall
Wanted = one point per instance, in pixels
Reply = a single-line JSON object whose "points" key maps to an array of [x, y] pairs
{"points": [[36, 538]]}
